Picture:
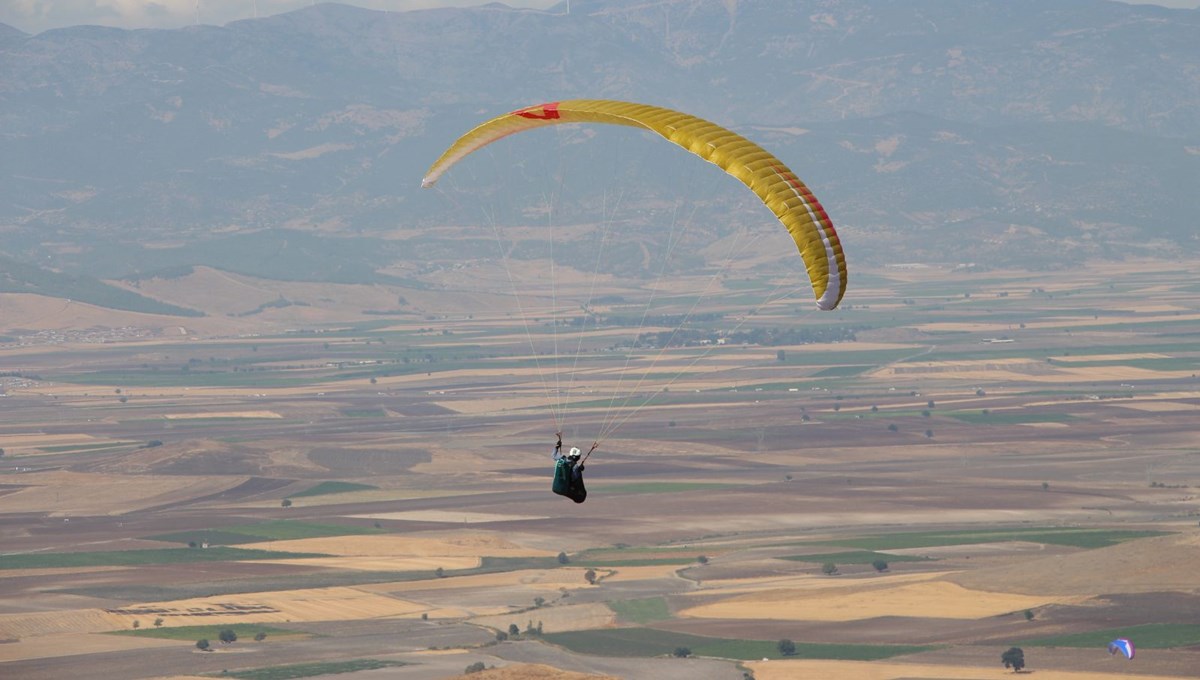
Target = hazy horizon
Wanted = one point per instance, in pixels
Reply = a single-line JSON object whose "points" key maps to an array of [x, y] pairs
{"points": [[36, 16]]}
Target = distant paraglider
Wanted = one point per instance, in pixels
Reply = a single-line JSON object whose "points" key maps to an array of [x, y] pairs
{"points": [[1121, 646]]}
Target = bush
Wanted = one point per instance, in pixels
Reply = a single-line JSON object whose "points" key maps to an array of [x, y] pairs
{"points": [[829, 568], [681, 652], [260, 636], [287, 503], [227, 635], [703, 559], [590, 576], [476, 667], [880, 565], [786, 647], [501, 636], [562, 558], [203, 645]]}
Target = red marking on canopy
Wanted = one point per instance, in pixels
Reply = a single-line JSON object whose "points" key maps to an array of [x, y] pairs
{"points": [[540, 112]]}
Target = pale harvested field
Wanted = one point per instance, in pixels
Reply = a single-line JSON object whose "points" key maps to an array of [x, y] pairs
{"points": [[312, 604], [883, 670], [809, 582], [101, 494], [30, 311], [938, 599], [470, 545], [556, 619], [31, 624], [985, 370], [12, 443], [69, 644], [448, 516]]}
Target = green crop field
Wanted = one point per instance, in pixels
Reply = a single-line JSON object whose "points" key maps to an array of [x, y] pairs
{"points": [[244, 631], [854, 557], [1010, 417], [648, 642], [1079, 538], [277, 530], [310, 670], [333, 487], [1145, 636]]}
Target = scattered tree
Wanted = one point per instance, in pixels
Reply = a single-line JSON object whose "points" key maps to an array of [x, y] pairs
{"points": [[1045, 486], [137, 624], [374, 380], [786, 647], [562, 558], [192, 544], [227, 635], [1014, 658], [874, 409], [979, 392], [929, 434], [477, 667], [893, 428], [880, 565], [781, 355], [539, 601], [260, 636], [590, 576], [703, 559], [929, 403], [501, 636], [203, 645], [158, 622], [424, 616], [1028, 614], [287, 503], [514, 630], [681, 652], [829, 569], [439, 572], [926, 413]]}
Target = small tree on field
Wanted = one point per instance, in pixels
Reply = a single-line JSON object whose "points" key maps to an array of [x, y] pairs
{"points": [[501, 636], [137, 624], [227, 635], [1028, 614], [590, 576], [439, 572], [786, 647], [203, 645], [562, 558], [539, 601], [682, 652], [158, 622], [703, 559], [880, 565], [260, 636], [477, 667], [893, 428], [1014, 658], [829, 568], [287, 503], [514, 630]]}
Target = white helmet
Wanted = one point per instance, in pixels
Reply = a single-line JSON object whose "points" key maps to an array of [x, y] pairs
{"points": [[574, 452]]}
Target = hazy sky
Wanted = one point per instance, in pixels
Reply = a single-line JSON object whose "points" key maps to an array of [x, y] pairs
{"points": [[34, 16]]}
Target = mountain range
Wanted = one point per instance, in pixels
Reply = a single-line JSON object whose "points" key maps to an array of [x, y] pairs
{"points": [[1001, 132]]}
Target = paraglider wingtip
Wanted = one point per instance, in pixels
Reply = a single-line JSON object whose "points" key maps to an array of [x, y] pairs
{"points": [[427, 182]]}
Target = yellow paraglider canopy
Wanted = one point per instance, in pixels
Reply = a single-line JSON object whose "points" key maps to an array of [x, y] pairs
{"points": [[778, 187]]}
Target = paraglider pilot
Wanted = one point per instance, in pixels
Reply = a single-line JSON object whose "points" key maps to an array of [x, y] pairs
{"points": [[568, 473]]}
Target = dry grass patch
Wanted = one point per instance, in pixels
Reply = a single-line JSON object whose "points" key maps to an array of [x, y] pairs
{"points": [[312, 604], [554, 619], [937, 599], [102, 494], [70, 644]]}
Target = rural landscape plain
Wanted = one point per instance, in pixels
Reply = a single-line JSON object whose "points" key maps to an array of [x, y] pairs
{"points": [[984, 459]]}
